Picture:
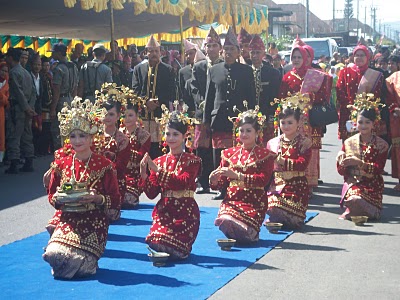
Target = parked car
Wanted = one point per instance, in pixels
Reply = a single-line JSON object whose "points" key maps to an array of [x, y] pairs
{"points": [[322, 46], [345, 50], [285, 55]]}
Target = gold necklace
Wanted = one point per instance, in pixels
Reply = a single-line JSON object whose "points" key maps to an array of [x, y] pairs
{"points": [[291, 144], [177, 164], [244, 165], [73, 177]]}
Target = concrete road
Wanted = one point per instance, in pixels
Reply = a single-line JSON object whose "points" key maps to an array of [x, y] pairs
{"points": [[329, 259]]}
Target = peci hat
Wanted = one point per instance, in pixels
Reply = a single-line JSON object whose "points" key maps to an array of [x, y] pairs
{"points": [[257, 43], [212, 37], [152, 42], [59, 48], [244, 37], [230, 38]]}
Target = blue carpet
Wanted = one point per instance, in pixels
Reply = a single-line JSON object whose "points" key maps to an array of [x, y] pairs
{"points": [[125, 271]]}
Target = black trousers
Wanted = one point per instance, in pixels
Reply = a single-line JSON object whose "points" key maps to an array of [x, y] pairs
{"points": [[206, 155]]}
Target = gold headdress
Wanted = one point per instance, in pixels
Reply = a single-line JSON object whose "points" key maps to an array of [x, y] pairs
{"points": [[365, 101], [295, 101], [182, 117], [251, 113], [81, 115]]}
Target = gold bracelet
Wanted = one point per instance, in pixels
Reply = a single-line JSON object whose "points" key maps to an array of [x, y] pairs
{"points": [[103, 200]]}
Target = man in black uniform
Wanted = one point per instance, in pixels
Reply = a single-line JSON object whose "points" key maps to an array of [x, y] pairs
{"points": [[267, 82], [155, 80], [228, 85], [202, 140], [186, 72]]}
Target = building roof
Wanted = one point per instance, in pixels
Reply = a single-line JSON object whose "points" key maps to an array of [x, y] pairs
{"points": [[316, 25]]}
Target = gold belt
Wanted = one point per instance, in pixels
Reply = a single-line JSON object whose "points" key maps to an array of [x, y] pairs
{"points": [[240, 184], [177, 194], [286, 175], [77, 207]]}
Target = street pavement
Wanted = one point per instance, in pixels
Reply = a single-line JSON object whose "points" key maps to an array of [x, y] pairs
{"points": [[328, 259]]}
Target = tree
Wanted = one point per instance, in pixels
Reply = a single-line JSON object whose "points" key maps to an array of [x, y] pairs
{"points": [[348, 12]]}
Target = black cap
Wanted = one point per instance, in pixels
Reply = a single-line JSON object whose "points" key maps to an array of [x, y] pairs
{"points": [[59, 48]]}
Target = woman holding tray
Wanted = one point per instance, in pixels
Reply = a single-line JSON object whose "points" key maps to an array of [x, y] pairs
{"points": [[361, 162], [83, 186], [176, 216], [244, 171], [288, 193], [317, 86]]}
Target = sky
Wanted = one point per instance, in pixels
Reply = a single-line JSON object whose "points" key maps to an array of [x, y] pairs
{"points": [[387, 10]]}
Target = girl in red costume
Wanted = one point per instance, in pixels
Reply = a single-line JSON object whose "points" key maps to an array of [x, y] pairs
{"points": [[361, 162], [140, 143], [80, 235], [288, 193], [176, 216], [244, 171]]}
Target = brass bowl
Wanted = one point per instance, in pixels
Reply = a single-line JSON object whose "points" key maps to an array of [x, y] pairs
{"points": [[359, 220], [158, 259], [226, 244], [273, 227], [71, 197]]}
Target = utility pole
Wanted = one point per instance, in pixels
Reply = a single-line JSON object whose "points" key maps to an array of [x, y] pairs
{"points": [[333, 17], [365, 21], [307, 16], [358, 16]]}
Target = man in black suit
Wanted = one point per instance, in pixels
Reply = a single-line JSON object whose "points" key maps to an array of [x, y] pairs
{"points": [[186, 72], [202, 141], [228, 85], [155, 80], [267, 82]]}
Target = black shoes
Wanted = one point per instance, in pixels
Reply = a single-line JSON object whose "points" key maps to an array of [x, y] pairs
{"points": [[28, 165], [13, 169]]}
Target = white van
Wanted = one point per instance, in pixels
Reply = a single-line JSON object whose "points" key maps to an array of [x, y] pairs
{"points": [[322, 46]]}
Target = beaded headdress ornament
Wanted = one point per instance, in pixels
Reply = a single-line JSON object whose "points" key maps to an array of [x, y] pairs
{"points": [[251, 113], [80, 115], [182, 117], [295, 101], [365, 101]]}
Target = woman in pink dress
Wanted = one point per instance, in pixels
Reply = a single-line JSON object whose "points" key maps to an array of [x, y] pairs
{"points": [[244, 171]]}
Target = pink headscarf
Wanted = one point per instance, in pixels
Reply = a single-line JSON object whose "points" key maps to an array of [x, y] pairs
{"points": [[363, 68], [303, 69]]}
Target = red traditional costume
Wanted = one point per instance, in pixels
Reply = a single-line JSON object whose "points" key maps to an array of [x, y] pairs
{"points": [[176, 216], [352, 81], [140, 143], [243, 210], [288, 193], [393, 102], [302, 80], [80, 234], [363, 187]]}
